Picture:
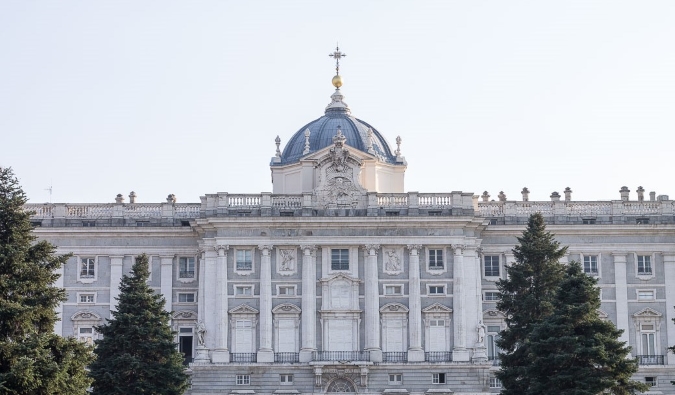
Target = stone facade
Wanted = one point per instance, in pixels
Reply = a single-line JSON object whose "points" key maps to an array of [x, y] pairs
{"points": [[346, 288]]}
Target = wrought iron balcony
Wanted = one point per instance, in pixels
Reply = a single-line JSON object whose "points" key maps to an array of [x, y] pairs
{"points": [[650, 359], [286, 357], [243, 357], [341, 356], [438, 356], [395, 356]]}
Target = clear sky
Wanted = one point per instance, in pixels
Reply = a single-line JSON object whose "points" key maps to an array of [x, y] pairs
{"points": [[186, 97]]}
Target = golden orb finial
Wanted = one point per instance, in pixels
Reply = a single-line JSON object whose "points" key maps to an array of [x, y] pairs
{"points": [[337, 81]]}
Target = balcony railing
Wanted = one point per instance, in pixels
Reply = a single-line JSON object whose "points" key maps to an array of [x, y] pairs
{"points": [[650, 359], [244, 357], [395, 356], [341, 356], [286, 357], [438, 356]]}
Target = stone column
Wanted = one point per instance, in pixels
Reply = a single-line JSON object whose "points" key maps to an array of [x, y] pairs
{"points": [[308, 302], [474, 307], [166, 280], [265, 352], [669, 267], [372, 304], [202, 350], [621, 295], [460, 353], [116, 278], [415, 350], [221, 354]]}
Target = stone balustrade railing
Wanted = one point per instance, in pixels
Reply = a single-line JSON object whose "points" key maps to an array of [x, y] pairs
{"points": [[412, 203], [576, 208]]}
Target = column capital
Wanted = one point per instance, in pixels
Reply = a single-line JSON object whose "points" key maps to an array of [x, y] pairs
{"points": [[372, 248], [414, 249], [308, 249], [458, 249], [265, 248], [221, 249]]}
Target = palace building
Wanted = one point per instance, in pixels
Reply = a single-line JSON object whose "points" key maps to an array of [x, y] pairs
{"points": [[341, 281]]}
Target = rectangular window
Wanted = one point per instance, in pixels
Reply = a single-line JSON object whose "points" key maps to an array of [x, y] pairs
{"points": [[243, 290], [438, 378], [186, 267], [495, 383], [393, 290], [651, 381], [642, 221], [186, 298], [243, 379], [644, 265], [87, 298], [491, 265], [436, 290], [89, 224], [244, 260], [588, 221], [435, 259], [86, 335], [591, 264], [286, 290], [286, 379], [88, 268], [646, 295], [395, 378], [491, 296], [339, 259]]}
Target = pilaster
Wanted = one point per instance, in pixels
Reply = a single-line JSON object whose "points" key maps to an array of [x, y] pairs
{"points": [[58, 325], [308, 302], [202, 350], [221, 354], [116, 278], [265, 352], [166, 280], [669, 267], [460, 353], [621, 287], [415, 350], [372, 304]]}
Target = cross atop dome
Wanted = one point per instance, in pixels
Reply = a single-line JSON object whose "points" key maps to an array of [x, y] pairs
{"points": [[337, 55]]}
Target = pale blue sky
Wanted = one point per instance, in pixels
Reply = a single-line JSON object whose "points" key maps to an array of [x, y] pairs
{"points": [[186, 97]]}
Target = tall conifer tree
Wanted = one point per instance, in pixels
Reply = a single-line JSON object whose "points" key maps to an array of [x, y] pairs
{"points": [[526, 298], [33, 359], [137, 354], [573, 351]]}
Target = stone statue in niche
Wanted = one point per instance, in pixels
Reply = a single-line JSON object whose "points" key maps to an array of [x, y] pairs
{"points": [[287, 260], [393, 263], [201, 331], [481, 331]]}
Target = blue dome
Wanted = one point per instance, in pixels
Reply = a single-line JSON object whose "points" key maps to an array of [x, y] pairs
{"points": [[323, 129]]}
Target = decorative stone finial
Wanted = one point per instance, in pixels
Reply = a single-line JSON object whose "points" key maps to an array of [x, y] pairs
{"points": [[568, 194], [119, 198], [306, 150], [369, 142], [526, 194], [132, 197], [339, 139], [641, 194], [277, 141], [652, 196], [171, 198], [555, 197], [501, 196], [485, 196], [624, 191], [398, 146]]}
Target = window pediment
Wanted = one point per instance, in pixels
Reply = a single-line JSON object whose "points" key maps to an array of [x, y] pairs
{"points": [[647, 312], [184, 315], [85, 315], [393, 308], [243, 309], [437, 308], [493, 313], [340, 276], [286, 308]]}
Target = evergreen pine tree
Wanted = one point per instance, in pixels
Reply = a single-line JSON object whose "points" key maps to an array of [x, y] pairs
{"points": [[137, 354], [573, 351], [33, 359], [526, 297]]}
